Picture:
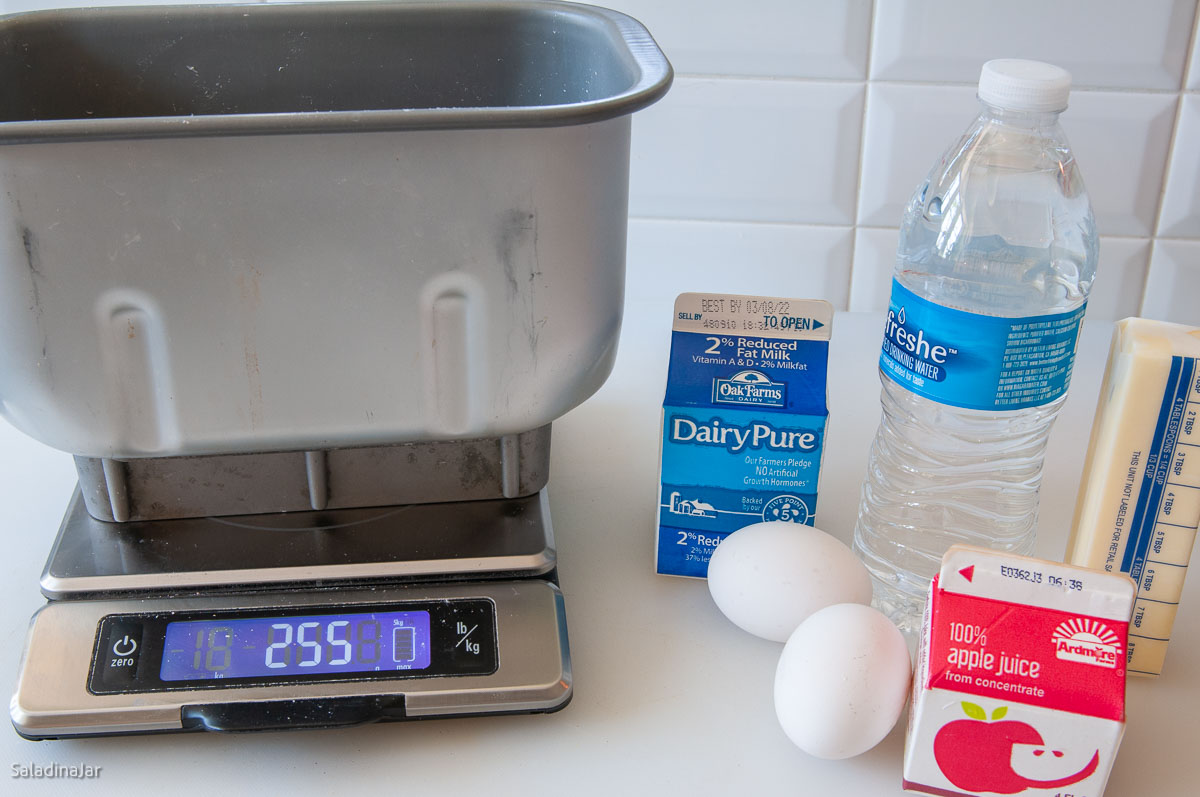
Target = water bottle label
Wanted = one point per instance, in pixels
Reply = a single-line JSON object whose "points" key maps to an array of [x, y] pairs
{"points": [[975, 361]]}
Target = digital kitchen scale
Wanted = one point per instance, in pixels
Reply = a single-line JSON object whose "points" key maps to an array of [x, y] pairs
{"points": [[299, 619], [303, 286]]}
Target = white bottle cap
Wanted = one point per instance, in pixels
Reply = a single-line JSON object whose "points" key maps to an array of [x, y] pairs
{"points": [[1016, 85]]}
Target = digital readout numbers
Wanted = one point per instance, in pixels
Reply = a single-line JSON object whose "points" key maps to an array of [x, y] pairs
{"points": [[305, 643]]}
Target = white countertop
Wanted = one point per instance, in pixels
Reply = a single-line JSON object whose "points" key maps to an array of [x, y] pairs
{"points": [[670, 698]]}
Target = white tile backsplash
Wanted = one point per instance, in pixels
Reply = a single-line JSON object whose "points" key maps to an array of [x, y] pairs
{"points": [[1181, 200], [748, 150], [804, 148], [907, 129], [1140, 45], [1173, 284], [765, 259], [1120, 276], [772, 38], [1120, 140], [874, 260]]}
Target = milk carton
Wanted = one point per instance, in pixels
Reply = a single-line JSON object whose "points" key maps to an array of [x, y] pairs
{"points": [[744, 421], [1020, 682]]}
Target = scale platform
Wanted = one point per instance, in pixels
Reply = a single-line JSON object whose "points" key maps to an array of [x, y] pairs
{"points": [[499, 538], [296, 620]]}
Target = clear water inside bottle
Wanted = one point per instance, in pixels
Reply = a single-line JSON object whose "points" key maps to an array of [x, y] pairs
{"points": [[1002, 226]]}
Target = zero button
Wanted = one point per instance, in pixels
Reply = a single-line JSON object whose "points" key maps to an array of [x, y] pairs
{"points": [[118, 655], [125, 646]]}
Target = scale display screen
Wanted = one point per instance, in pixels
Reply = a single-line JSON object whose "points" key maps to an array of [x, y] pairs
{"points": [[254, 647], [309, 644]]}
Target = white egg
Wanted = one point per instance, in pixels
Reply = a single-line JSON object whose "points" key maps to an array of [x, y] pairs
{"points": [[842, 681], [768, 577]]}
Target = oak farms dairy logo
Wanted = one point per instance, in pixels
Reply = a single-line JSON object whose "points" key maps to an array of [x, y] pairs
{"points": [[749, 387], [1087, 641]]}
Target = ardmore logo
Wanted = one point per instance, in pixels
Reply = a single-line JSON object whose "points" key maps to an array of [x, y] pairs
{"points": [[1087, 641]]}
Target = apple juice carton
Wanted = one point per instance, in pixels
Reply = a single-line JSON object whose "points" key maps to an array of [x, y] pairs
{"points": [[744, 421], [1020, 682]]}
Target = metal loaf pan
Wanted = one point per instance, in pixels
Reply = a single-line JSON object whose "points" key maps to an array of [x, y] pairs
{"points": [[434, 471], [259, 228]]}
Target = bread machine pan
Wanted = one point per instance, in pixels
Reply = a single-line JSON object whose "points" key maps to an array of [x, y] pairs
{"points": [[232, 229]]}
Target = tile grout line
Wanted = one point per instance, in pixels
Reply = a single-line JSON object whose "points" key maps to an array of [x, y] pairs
{"points": [[1155, 236], [1146, 237], [815, 225], [1172, 142], [1156, 229], [858, 172], [1141, 311], [1175, 239], [949, 84], [1191, 50], [842, 227]]}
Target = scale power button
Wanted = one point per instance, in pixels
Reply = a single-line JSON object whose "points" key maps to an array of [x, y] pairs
{"points": [[125, 646], [118, 651]]}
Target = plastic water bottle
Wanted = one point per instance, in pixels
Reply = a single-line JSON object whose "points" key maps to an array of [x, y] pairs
{"points": [[996, 258]]}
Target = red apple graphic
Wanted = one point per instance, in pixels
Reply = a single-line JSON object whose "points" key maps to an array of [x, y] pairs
{"points": [[976, 755]]}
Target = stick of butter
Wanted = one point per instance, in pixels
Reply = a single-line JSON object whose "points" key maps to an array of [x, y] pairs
{"points": [[1139, 503]]}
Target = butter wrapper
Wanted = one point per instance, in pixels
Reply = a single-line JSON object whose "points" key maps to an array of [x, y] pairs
{"points": [[744, 420], [1139, 500]]}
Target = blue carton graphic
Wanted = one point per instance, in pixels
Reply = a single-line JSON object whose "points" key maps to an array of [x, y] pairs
{"points": [[744, 421]]}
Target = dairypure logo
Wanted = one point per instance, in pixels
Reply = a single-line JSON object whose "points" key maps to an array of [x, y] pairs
{"points": [[749, 387], [914, 351], [735, 438], [1087, 641]]}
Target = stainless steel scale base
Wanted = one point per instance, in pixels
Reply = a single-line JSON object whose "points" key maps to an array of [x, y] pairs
{"points": [[481, 573], [456, 540], [56, 696]]}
